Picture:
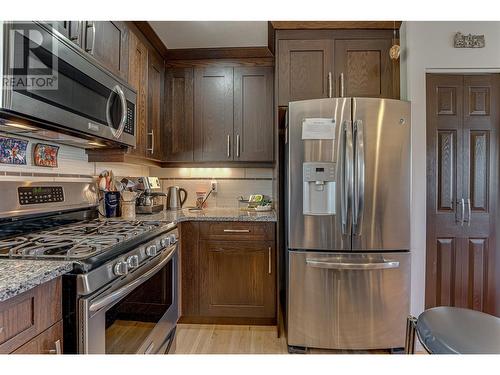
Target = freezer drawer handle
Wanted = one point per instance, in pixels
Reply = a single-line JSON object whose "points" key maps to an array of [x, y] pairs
{"points": [[386, 264]]}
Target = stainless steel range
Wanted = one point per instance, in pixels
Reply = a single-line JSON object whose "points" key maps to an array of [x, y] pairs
{"points": [[122, 295]]}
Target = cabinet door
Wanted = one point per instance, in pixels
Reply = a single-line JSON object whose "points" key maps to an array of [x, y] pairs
{"points": [[70, 29], [237, 279], [156, 76], [107, 41], [213, 114], [138, 79], [47, 342], [304, 67], [179, 115], [253, 114], [366, 68]]}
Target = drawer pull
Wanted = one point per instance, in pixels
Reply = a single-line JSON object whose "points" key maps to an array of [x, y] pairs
{"points": [[236, 230], [57, 349], [269, 260]]}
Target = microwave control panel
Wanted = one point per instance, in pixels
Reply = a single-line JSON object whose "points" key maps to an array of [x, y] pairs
{"points": [[130, 119], [40, 194]]}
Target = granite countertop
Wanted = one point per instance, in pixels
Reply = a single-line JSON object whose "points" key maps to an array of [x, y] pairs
{"points": [[209, 214], [19, 275]]}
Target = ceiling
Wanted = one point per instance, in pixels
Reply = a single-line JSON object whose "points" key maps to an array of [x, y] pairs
{"points": [[211, 34]]}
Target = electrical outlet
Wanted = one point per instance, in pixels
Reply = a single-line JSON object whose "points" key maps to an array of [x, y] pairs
{"points": [[213, 186]]}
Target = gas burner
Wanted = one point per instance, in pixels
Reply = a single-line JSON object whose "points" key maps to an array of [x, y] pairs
{"points": [[74, 241]]}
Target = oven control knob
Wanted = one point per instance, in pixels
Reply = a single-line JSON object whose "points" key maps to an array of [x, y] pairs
{"points": [[151, 251], [165, 242], [173, 238], [133, 261], [120, 268]]}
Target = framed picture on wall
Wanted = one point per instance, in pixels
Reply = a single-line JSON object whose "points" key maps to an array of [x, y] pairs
{"points": [[45, 155], [13, 151]]}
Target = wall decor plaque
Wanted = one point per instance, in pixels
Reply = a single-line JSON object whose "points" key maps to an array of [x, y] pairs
{"points": [[469, 41], [13, 151], [45, 155]]}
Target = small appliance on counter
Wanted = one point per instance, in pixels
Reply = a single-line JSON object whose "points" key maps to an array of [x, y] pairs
{"points": [[147, 200], [174, 200]]}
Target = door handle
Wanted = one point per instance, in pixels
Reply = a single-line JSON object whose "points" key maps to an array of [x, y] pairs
{"points": [[269, 260], [330, 85], [87, 27], [228, 146], [469, 209], [386, 264], [348, 175], [359, 182], [341, 85], [462, 206], [123, 102], [237, 145], [57, 348], [152, 135]]}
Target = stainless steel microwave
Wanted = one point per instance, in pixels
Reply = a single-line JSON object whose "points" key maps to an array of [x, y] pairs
{"points": [[49, 82]]}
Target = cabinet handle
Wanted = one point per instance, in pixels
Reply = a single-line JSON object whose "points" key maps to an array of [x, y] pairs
{"points": [[152, 148], [237, 145], [330, 87], [90, 25], [462, 214], [228, 146], [341, 85], [57, 349], [269, 259], [236, 230], [469, 219]]}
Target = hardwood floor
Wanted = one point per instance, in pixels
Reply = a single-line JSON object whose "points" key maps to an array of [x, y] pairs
{"points": [[125, 337], [239, 339]]}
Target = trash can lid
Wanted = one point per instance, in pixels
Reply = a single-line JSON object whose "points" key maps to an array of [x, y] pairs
{"points": [[453, 330]]}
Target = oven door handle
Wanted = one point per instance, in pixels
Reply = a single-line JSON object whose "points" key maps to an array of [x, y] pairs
{"points": [[119, 293]]}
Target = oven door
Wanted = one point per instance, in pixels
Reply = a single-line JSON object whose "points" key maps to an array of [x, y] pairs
{"points": [[57, 84], [138, 315]]}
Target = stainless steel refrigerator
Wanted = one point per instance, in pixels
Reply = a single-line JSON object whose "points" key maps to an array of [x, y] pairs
{"points": [[348, 223]]}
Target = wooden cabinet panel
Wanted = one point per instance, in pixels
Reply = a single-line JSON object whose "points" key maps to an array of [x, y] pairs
{"points": [[303, 69], [156, 76], [179, 113], [238, 279], [366, 68], [447, 169], [138, 79], [190, 264], [253, 114], [24, 316], [107, 41], [48, 342], [213, 114]]}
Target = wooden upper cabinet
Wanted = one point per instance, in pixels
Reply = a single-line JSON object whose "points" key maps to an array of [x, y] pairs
{"points": [[304, 67], [156, 76], [213, 114], [366, 68], [107, 41], [179, 114], [138, 79], [253, 114]]}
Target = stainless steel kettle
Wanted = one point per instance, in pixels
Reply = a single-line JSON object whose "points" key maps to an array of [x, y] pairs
{"points": [[174, 200]]}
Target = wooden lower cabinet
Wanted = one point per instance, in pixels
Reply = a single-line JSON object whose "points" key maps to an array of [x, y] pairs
{"points": [[31, 321], [228, 277]]}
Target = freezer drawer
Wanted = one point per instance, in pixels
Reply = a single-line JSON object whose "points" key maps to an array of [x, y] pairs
{"points": [[348, 301]]}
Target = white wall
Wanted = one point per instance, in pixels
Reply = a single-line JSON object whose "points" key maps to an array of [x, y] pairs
{"points": [[428, 47]]}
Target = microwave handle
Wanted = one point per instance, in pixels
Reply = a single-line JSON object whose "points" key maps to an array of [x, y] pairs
{"points": [[119, 293], [119, 91]]}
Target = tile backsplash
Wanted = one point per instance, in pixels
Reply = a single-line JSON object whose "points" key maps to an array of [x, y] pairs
{"points": [[231, 183]]}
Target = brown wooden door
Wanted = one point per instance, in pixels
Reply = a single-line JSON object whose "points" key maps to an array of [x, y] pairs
{"points": [[462, 181], [179, 98], [138, 79], [237, 279], [156, 84], [304, 67], [366, 68], [213, 114], [107, 41], [253, 114]]}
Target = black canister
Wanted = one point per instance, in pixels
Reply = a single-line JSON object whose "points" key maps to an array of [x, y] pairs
{"points": [[112, 203]]}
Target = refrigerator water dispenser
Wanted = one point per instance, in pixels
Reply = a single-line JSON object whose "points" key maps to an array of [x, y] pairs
{"points": [[319, 188]]}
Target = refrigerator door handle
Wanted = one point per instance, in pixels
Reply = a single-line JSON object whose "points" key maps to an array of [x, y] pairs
{"points": [[386, 264], [359, 178], [347, 177]]}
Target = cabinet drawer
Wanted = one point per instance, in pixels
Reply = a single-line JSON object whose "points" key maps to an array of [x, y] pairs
{"points": [[24, 316], [241, 231], [49, 341]]}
